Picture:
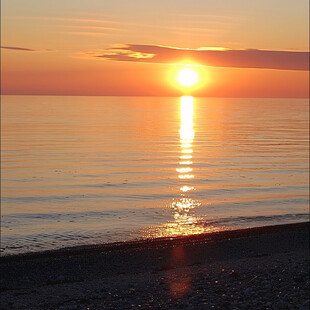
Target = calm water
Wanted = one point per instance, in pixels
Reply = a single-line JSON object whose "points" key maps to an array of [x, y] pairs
{"points": [[85, 170]]}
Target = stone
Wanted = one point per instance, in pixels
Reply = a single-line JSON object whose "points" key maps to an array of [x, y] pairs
{"points": [[282, 304], [248, 291]]}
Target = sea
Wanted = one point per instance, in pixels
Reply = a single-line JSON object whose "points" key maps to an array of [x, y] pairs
{"points": [[85, 170]]}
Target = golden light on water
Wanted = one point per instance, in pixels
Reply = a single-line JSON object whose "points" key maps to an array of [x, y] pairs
{"points": [[187, 151], [186, 130], [184, 170], [186, 157], [186, 176], [187, 162], [186, 145], [187, 135], [185, 221], [186, 188]]}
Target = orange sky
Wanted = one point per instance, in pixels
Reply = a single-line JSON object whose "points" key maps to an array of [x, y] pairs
{"points": [[135, 47]]}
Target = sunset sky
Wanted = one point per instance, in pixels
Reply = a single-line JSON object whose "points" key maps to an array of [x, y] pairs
{"points": [[239, 48]]}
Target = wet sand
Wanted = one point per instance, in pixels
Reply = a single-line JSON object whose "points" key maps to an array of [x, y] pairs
{"points": [[258, 268]]}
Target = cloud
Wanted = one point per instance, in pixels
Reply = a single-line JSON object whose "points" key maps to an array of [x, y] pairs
{"points": [[24, 49], [248, 58], [87, 33], [78, 26], [102, 20], [90, 30]]}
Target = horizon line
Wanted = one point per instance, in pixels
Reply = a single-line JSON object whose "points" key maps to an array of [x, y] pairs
{"points": [[169, 96]]}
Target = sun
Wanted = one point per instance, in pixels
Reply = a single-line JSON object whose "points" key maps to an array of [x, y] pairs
{"points": [[187, 77]]}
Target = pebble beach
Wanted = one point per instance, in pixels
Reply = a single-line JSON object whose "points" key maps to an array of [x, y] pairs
{"points": [[257, 268]]}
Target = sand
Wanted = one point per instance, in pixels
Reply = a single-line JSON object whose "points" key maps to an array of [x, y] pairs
{"points": [[258, 268]]}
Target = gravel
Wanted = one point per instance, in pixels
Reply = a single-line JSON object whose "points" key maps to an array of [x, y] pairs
{"points": [[174, 276]]}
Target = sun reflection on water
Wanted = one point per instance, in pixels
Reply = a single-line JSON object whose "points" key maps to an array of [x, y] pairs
{"points": [[184, 222], [187, 135]]}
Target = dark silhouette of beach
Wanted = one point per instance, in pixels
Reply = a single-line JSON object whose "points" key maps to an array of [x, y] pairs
{"points": [[257, 268]]}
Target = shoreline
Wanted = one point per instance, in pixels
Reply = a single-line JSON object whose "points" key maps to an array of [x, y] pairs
{"points": [[155, 242], [256, 268]]}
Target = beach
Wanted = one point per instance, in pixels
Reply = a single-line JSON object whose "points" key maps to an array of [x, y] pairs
{"points": [[256, 268]]}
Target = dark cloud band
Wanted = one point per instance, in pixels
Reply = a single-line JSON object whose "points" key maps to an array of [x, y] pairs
{"points": [[249, 58], [18, 48]]}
